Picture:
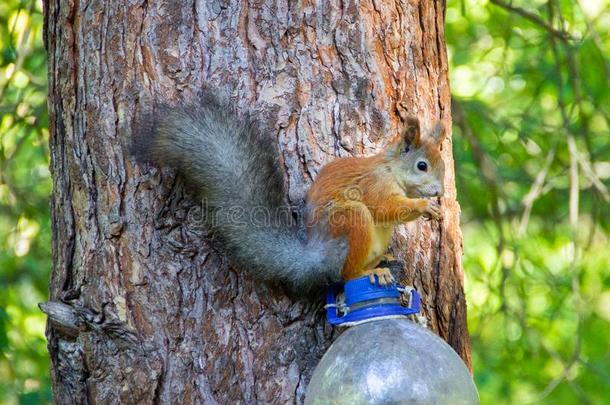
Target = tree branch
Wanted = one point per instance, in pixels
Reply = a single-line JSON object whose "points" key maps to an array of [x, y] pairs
{"points": [[563, 35]]}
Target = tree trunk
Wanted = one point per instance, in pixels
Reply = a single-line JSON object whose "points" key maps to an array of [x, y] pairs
{"points": [[142, 309]]}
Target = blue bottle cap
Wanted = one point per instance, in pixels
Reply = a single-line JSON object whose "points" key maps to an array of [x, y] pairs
{"points": [[365, 301]]}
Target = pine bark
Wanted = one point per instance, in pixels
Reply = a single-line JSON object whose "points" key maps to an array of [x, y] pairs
{"points": [[142, 308]]}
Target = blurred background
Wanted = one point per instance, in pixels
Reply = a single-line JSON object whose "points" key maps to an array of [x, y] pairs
{"points": [[531, 107]]}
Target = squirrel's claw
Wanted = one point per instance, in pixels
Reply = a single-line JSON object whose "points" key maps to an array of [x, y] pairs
{"points": [[433, 210], [383, 274]]}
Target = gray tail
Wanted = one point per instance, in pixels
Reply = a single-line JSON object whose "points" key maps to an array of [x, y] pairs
{"points": [[236, 172]]}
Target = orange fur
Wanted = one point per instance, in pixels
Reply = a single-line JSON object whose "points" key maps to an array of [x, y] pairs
{"points": [[360, 198]]}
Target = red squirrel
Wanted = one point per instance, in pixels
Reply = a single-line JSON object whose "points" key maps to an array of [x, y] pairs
{"points": [[350, 212]]}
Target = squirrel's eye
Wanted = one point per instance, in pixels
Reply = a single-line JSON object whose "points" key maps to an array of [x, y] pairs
{"points": [[423, 166]]}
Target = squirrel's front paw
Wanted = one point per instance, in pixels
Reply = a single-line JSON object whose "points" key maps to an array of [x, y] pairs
{"points": [[383, 274], [432, 210]]}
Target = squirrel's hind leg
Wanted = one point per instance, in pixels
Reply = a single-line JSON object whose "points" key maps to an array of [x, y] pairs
{"points": [[355, 220]]}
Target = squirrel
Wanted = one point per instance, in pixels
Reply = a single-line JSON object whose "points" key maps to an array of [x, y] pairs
{"points": [[350, 211]]}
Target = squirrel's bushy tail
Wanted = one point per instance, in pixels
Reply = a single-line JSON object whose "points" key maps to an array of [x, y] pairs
{"points": [[236, 172]]}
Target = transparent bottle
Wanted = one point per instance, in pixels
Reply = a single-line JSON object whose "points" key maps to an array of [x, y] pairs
{"points": [[387, 359]]}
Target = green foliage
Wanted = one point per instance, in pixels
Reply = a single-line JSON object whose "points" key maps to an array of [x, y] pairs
{"points": [[25, 235], [530, 81], [531, 124]]}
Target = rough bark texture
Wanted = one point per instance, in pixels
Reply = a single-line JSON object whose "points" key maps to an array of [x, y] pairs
{"points": [[143, 309]]}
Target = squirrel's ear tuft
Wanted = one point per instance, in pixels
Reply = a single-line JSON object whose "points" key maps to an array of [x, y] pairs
{"points": [[410, 138], [411, 135], [438, 133]]}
